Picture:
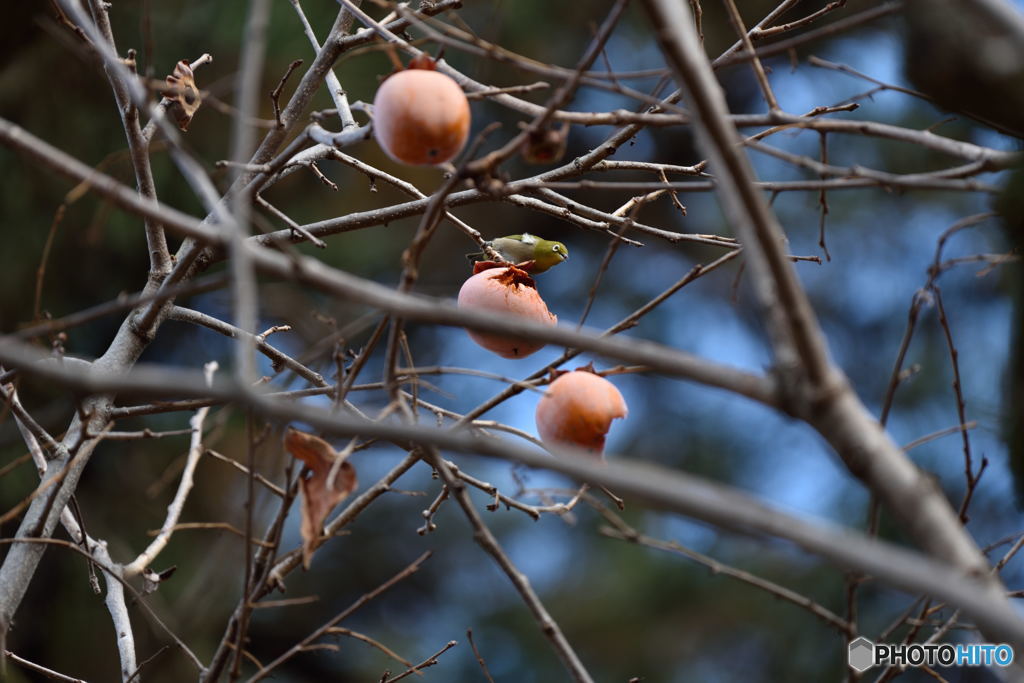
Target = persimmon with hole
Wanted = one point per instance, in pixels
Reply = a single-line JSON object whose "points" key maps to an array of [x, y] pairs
{"points": [[508, 291], [420, 116], [577, 410]]}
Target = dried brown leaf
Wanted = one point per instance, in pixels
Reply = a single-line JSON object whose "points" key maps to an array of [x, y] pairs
{"points": [[319, 494], [546, 146], [183, 93]]}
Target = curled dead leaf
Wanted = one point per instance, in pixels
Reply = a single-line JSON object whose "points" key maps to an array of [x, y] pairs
{"points": [[182, 92], [546, 146], [327, 480]]}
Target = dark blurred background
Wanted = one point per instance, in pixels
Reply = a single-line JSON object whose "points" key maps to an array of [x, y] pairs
{"points": [[629, 611]]}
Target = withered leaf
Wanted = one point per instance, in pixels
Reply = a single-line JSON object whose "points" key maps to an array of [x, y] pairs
{"points": [[183, 93], [546, 146], [318, 497]]}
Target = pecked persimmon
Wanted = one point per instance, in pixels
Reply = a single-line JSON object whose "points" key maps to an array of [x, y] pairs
{"points": [[420, 116], [577, 410], [510, 291]]}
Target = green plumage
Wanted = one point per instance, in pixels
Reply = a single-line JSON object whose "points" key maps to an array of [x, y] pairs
{"points": [[543, 254]]}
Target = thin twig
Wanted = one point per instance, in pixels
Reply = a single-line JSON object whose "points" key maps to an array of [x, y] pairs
{"points": [[762, 78], [429, 661], [275, 94], [115, 575], [39, 668], [479, 657], [622, 531], [195, 450], [485, 538], [302, 645], [221, 526], [338, 630]]}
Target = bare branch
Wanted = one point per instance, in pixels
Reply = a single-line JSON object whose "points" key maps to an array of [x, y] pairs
{"points": [[624, 532], [486, 539], [39, 668], [829, 404], [195, 450], [341, 616], [429, 661]]}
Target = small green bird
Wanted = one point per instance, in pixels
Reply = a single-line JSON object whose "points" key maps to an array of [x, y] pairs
{"points": [[535, 254]]}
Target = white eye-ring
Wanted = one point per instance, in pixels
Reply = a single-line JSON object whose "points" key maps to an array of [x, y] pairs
{"points": [[556, 248]]}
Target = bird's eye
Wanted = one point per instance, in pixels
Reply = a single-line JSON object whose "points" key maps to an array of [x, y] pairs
{"points": [[556, 248]]}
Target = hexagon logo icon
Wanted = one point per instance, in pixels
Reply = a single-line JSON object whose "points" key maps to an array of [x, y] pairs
{"points": [[861, 656]]}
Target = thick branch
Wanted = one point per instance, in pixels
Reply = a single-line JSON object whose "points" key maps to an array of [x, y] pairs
{"points": [[659, 487], [822, 394]]}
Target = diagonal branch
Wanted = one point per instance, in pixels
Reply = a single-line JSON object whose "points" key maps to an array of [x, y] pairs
{"points": [[816, 390], [243, 277], [307, 642], [195, 451], [666, 489], [486, 539], [138, 146]]}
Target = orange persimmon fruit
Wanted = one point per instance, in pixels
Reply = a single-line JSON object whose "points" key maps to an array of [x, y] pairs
{"points": [[420, 116], [510, 291], [577, 410]]}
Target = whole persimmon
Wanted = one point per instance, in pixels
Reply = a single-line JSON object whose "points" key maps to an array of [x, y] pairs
{"points": [[420, 116], [510, 291], [577, 410]]}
